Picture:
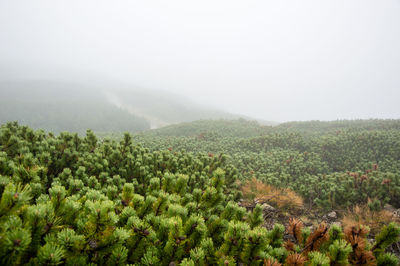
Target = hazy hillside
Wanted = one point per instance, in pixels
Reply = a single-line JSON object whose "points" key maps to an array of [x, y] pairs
{"points": [[57, 107], [161, 108], [315, 127], [65, 106], [242, 128]]}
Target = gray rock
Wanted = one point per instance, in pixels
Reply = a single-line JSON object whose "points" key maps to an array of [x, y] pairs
{"points": [[332, 215], [389, 207], [268, 208], [268, 211]]}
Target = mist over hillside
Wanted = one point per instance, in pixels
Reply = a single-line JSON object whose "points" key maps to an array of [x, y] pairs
{"points": [[161, 108], [58, 106]]}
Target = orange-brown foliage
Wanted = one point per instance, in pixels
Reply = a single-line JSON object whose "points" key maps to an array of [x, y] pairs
{"points": [[282, 198], [317, 238], [294, 228], [356, 236], [362, 257], [289, 245], [270, 262], [295, 259]]}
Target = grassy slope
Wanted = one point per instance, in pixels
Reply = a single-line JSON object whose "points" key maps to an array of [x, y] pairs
{"points": [[61, 107]]}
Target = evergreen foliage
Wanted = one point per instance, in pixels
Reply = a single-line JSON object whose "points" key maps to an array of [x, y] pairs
{"points": [[70, 200], [330, 165]]}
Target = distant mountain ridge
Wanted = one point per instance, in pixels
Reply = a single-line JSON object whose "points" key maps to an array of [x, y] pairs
{"points": [[67, 106], [57, 107], [161, 108]]}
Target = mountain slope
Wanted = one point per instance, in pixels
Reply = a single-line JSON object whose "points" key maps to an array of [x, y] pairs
{"points": [[161, 108], [101, 106], [58, 107]]}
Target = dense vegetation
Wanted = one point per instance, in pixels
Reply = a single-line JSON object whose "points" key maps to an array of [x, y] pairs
{"points": [[79, 200], [331, 164], [227, 128]]}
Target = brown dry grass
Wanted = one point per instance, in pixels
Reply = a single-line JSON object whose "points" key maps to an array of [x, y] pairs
{"points": [[361, 214], [255, 190]]}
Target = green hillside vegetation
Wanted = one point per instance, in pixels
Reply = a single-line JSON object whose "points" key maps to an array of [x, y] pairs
{"points": [[70, 200], [336, 166], [316, 127], [223, 127]]}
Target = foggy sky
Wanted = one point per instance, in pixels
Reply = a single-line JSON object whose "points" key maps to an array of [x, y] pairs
{"points": [[274, 60]]}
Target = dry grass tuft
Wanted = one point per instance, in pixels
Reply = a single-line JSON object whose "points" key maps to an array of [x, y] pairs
{"points": [[361, 214], [256, 190]]}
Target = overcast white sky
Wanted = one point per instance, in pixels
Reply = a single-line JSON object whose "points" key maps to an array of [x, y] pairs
{"points": [[275, 60]]}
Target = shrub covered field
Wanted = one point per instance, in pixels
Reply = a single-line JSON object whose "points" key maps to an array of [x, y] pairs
{"points": [[330, 164], [165, 199]]}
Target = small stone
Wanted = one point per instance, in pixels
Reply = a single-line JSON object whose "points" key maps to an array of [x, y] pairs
{"points": [[389, 207], [268, 208], [332, 215], [92, 243]]}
